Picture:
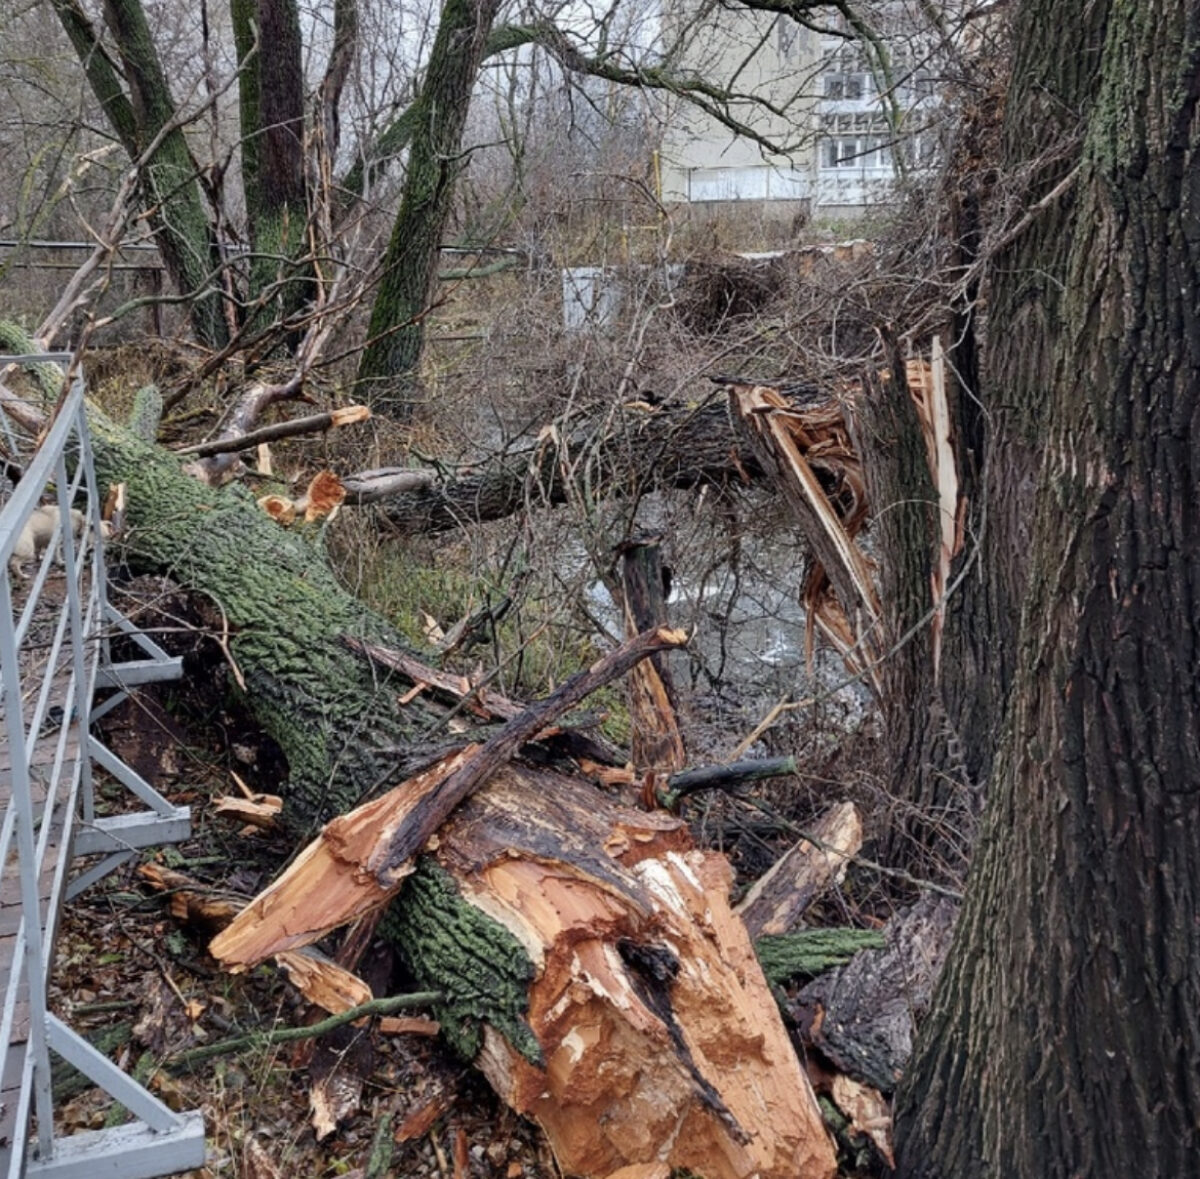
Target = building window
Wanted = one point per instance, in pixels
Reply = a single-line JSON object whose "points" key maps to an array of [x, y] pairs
{"points": [[847, 87], [857, 151]]}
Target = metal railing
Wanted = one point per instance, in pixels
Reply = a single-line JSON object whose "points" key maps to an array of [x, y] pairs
{"points": [[54, 654]]}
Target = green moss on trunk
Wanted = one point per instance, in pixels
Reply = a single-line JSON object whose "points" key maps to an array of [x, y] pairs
{"points": [[479, 966], [809, 952], [336, 719]]}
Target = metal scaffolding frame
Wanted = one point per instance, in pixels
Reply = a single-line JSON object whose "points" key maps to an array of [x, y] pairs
{"points": [[51, 813]]}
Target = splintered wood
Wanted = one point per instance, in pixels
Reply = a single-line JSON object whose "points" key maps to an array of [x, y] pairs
{"points": [[660, 1042], [334, 880], [808, 450], [927, 387], [779, 897], [656, 741]]}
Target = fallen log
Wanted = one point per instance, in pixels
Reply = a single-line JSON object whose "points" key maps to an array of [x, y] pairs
{"points": [[595, 973], [316, 423], [591, 965], [628, 453]]}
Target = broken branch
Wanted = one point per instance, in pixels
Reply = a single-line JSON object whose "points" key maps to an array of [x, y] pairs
{"points": [[386, 1006], [312, 424], [430, 812]]}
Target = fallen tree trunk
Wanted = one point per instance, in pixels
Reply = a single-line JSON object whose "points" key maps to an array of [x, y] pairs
{"points": [[626, 453], [592, 967]]}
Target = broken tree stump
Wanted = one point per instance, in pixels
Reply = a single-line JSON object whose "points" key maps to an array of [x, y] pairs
{"points": [[595, 973]]}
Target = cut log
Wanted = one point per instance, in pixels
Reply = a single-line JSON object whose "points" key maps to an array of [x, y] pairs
{"points": [[778, 898], [313, 424], [599, 979]]}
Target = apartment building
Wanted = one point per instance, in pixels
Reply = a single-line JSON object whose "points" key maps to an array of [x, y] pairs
{"points": [[848, 122]]}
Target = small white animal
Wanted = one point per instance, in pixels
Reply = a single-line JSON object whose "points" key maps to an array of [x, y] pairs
{"points": [[40, 529]]}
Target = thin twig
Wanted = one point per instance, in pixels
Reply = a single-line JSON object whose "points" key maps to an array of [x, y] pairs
{"points": [[384, 1006]]}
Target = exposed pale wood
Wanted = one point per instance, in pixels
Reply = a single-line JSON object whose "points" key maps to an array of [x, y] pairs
{"points": [[338, 877], [778, 898], [408, 1025], [660, 1038], [431, 810], [870, 1113], [657, 743], [927, 387], [259, 811], [793, 445], [323, 982]]}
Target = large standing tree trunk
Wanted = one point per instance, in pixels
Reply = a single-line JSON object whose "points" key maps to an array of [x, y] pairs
{"points": [[169, 178], [271, 103], [1065, 1038], [389, 362]]}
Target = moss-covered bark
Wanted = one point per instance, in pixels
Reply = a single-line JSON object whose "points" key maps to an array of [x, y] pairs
{"points": [[388, 369], [478, 965], [809, 952], [336, 719]]}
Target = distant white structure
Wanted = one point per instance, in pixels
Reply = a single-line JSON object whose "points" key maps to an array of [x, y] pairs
{"points": [[759, 57], [847, 132]]}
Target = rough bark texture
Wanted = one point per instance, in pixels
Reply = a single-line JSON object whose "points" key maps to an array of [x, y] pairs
{"points": [[862, 1017], [271, 97], [170, 178], [335, 716], [627, 454], [1064, 1038], [388, 369]]}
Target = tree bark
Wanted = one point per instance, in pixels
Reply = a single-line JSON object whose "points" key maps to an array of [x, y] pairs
{"points": [[1064, 1038], [932, 826], [169, 180], [271, 103], [334, 715], [627, 454], [387, 372]]}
